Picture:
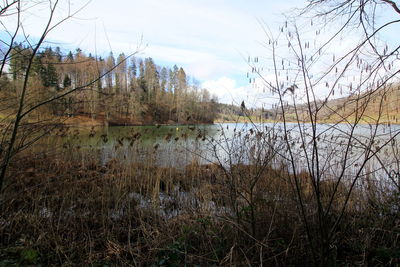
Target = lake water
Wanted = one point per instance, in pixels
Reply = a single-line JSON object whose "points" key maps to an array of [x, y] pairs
{"points": [[231, 143]]}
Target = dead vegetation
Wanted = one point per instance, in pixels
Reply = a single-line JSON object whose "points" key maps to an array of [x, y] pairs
{"points": [[59, 212]]}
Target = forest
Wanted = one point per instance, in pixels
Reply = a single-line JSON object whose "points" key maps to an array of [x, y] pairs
{"points": [[118, 91]]}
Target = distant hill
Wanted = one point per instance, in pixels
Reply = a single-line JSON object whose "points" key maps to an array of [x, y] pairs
{"points": [[120, 90], [233, 113], [379, 106]]}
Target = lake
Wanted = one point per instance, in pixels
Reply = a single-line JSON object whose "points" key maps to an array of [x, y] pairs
{"points": [[230, 143]]}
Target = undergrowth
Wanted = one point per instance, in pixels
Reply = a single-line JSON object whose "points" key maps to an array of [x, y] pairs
{"points": [[65, 213]]}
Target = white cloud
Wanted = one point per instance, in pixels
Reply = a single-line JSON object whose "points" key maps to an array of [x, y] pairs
{"points": [[206, 37], [202, 65], [228, 92]]}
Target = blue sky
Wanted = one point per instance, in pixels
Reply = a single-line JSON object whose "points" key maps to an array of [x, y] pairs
{"points": [[211, 39], [208, 38]]}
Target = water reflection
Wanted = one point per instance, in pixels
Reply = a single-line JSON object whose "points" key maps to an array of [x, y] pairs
{"points": [[334, 148]]}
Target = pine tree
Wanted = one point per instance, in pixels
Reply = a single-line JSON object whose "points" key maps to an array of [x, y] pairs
{"points": [[164, 80], [18, 61], [120, 74], [49, 76], [132, 74], [66, 81], [110, 63]]}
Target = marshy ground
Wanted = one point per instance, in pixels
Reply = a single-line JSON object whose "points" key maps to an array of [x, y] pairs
{"points": [[58, 211]]}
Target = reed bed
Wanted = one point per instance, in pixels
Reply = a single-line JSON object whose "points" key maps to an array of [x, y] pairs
{"points": [[59, 210]]}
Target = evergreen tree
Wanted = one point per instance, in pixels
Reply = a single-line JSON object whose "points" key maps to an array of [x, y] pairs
{"points": [[100, 72], [120, 74], [37, 66], [48, 72], [18, 61], [181, 81], [164, 79], [132, 74], [49, 76], [70, 57], [66, 81], [58, 54], [110, 63]]}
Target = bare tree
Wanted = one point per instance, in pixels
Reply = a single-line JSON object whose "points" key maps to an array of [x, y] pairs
{"points": [[332, 72], [17, 132]]}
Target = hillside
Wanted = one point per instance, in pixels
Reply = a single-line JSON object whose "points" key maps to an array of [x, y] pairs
{"points": [[380, 106], [122, 90]]}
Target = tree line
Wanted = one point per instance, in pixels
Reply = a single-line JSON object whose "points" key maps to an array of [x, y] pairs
{"points": [[128, 90]]}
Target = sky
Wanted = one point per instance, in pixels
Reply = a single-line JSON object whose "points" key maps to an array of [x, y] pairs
{"points": [[210, 39]]}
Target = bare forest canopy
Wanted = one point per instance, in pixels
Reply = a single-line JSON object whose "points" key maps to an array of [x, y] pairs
{"points": [[128, 90]]}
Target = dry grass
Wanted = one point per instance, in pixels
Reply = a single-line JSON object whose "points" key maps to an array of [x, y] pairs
{"points": [[77, 213]]}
